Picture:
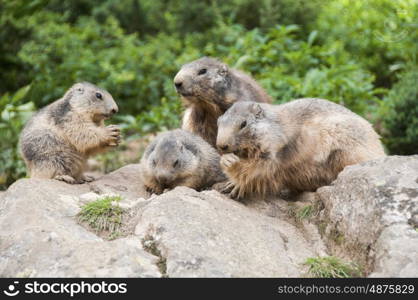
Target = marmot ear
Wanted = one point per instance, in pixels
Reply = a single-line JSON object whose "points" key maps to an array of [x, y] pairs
{"points": [[78, 88], [257, 110], [223, 70]]}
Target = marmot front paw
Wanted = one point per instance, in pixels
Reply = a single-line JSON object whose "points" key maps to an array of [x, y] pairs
{"points": [[113, 137], [153, 190], [228, 160], [228, 188], [66, 178]]}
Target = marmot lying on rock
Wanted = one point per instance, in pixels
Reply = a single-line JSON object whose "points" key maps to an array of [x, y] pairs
{"points": [[300, 145], [180, 158], [57, 141], [208, 88]]}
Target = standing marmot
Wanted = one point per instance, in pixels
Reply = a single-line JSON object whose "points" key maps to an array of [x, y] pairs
{"points": [[178, 158], [208, 88], [57, 141], [300, 145]]}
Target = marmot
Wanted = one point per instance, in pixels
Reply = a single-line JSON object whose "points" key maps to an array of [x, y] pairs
{"points": [[180, 158], [301, 145], [208, 88], [57, 141]]}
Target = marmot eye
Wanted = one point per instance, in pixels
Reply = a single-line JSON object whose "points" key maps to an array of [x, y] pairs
{"points": [[99, 96], [243, 124], [202, 71], [176, 163], [154, 163]]}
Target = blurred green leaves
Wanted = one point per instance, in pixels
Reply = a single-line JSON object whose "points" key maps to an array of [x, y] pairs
{"points": [[400, 115], [356, 53], [14, 114]]}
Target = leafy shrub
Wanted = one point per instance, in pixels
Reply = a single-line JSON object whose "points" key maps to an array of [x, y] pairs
{"points": [[188, 16], [400, 116], [349, 52], [137, 72], [14, 31], [14, 114], [290, 67], [158, 118], [381, 35]]}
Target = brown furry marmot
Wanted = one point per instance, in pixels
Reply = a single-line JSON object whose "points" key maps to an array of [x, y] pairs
{"points": [[300, 145], [180, 158], [57, 141], [208, 88]]}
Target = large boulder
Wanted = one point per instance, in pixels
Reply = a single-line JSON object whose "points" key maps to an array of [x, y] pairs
{"points": [[39, 236], [371, 215], [368, 215], [182, 233], [208, 235]]}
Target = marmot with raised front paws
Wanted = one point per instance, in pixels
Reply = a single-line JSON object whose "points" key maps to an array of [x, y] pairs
{"points": [[57, 141]]}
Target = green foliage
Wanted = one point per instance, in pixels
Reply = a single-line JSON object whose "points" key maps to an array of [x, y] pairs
{"points": [[290, 67], [400, 116], [163, 117], [331, 267], [60, 54], [188, 16], [13, 33], [382, 35], [350, 52], [103, 214], [14, 114]]}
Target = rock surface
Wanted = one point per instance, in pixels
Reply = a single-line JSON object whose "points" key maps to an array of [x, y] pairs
{"points": [[369, 215], [39, 237], [208, 235]]}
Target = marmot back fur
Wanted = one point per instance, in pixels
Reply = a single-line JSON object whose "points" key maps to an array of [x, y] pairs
{"points": [[57, 141], [208, 88], [301, 145], [180, 158]]}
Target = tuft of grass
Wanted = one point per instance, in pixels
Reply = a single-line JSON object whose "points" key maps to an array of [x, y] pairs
{"points": [[305, 212], [103, 215], [301, 213], [331, 267]]}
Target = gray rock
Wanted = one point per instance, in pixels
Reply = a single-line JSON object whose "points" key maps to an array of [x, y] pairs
{"points": [[208, 235], [370, 212], [39, 237], [369, 215], [125, 181]]}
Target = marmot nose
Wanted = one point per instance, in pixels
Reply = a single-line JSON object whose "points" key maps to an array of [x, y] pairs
{"points": [[223, 147], [113, 111], [178, 85], [163, 180]]}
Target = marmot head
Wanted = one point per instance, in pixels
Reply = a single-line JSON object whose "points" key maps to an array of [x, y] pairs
{"points": [[247, 130], [170, 160], [205, 79], [87, 99]]}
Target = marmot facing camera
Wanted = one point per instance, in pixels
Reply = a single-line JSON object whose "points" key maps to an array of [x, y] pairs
{"points": [[301, 145], [208, 88], [58, 139], [180, 158]]}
